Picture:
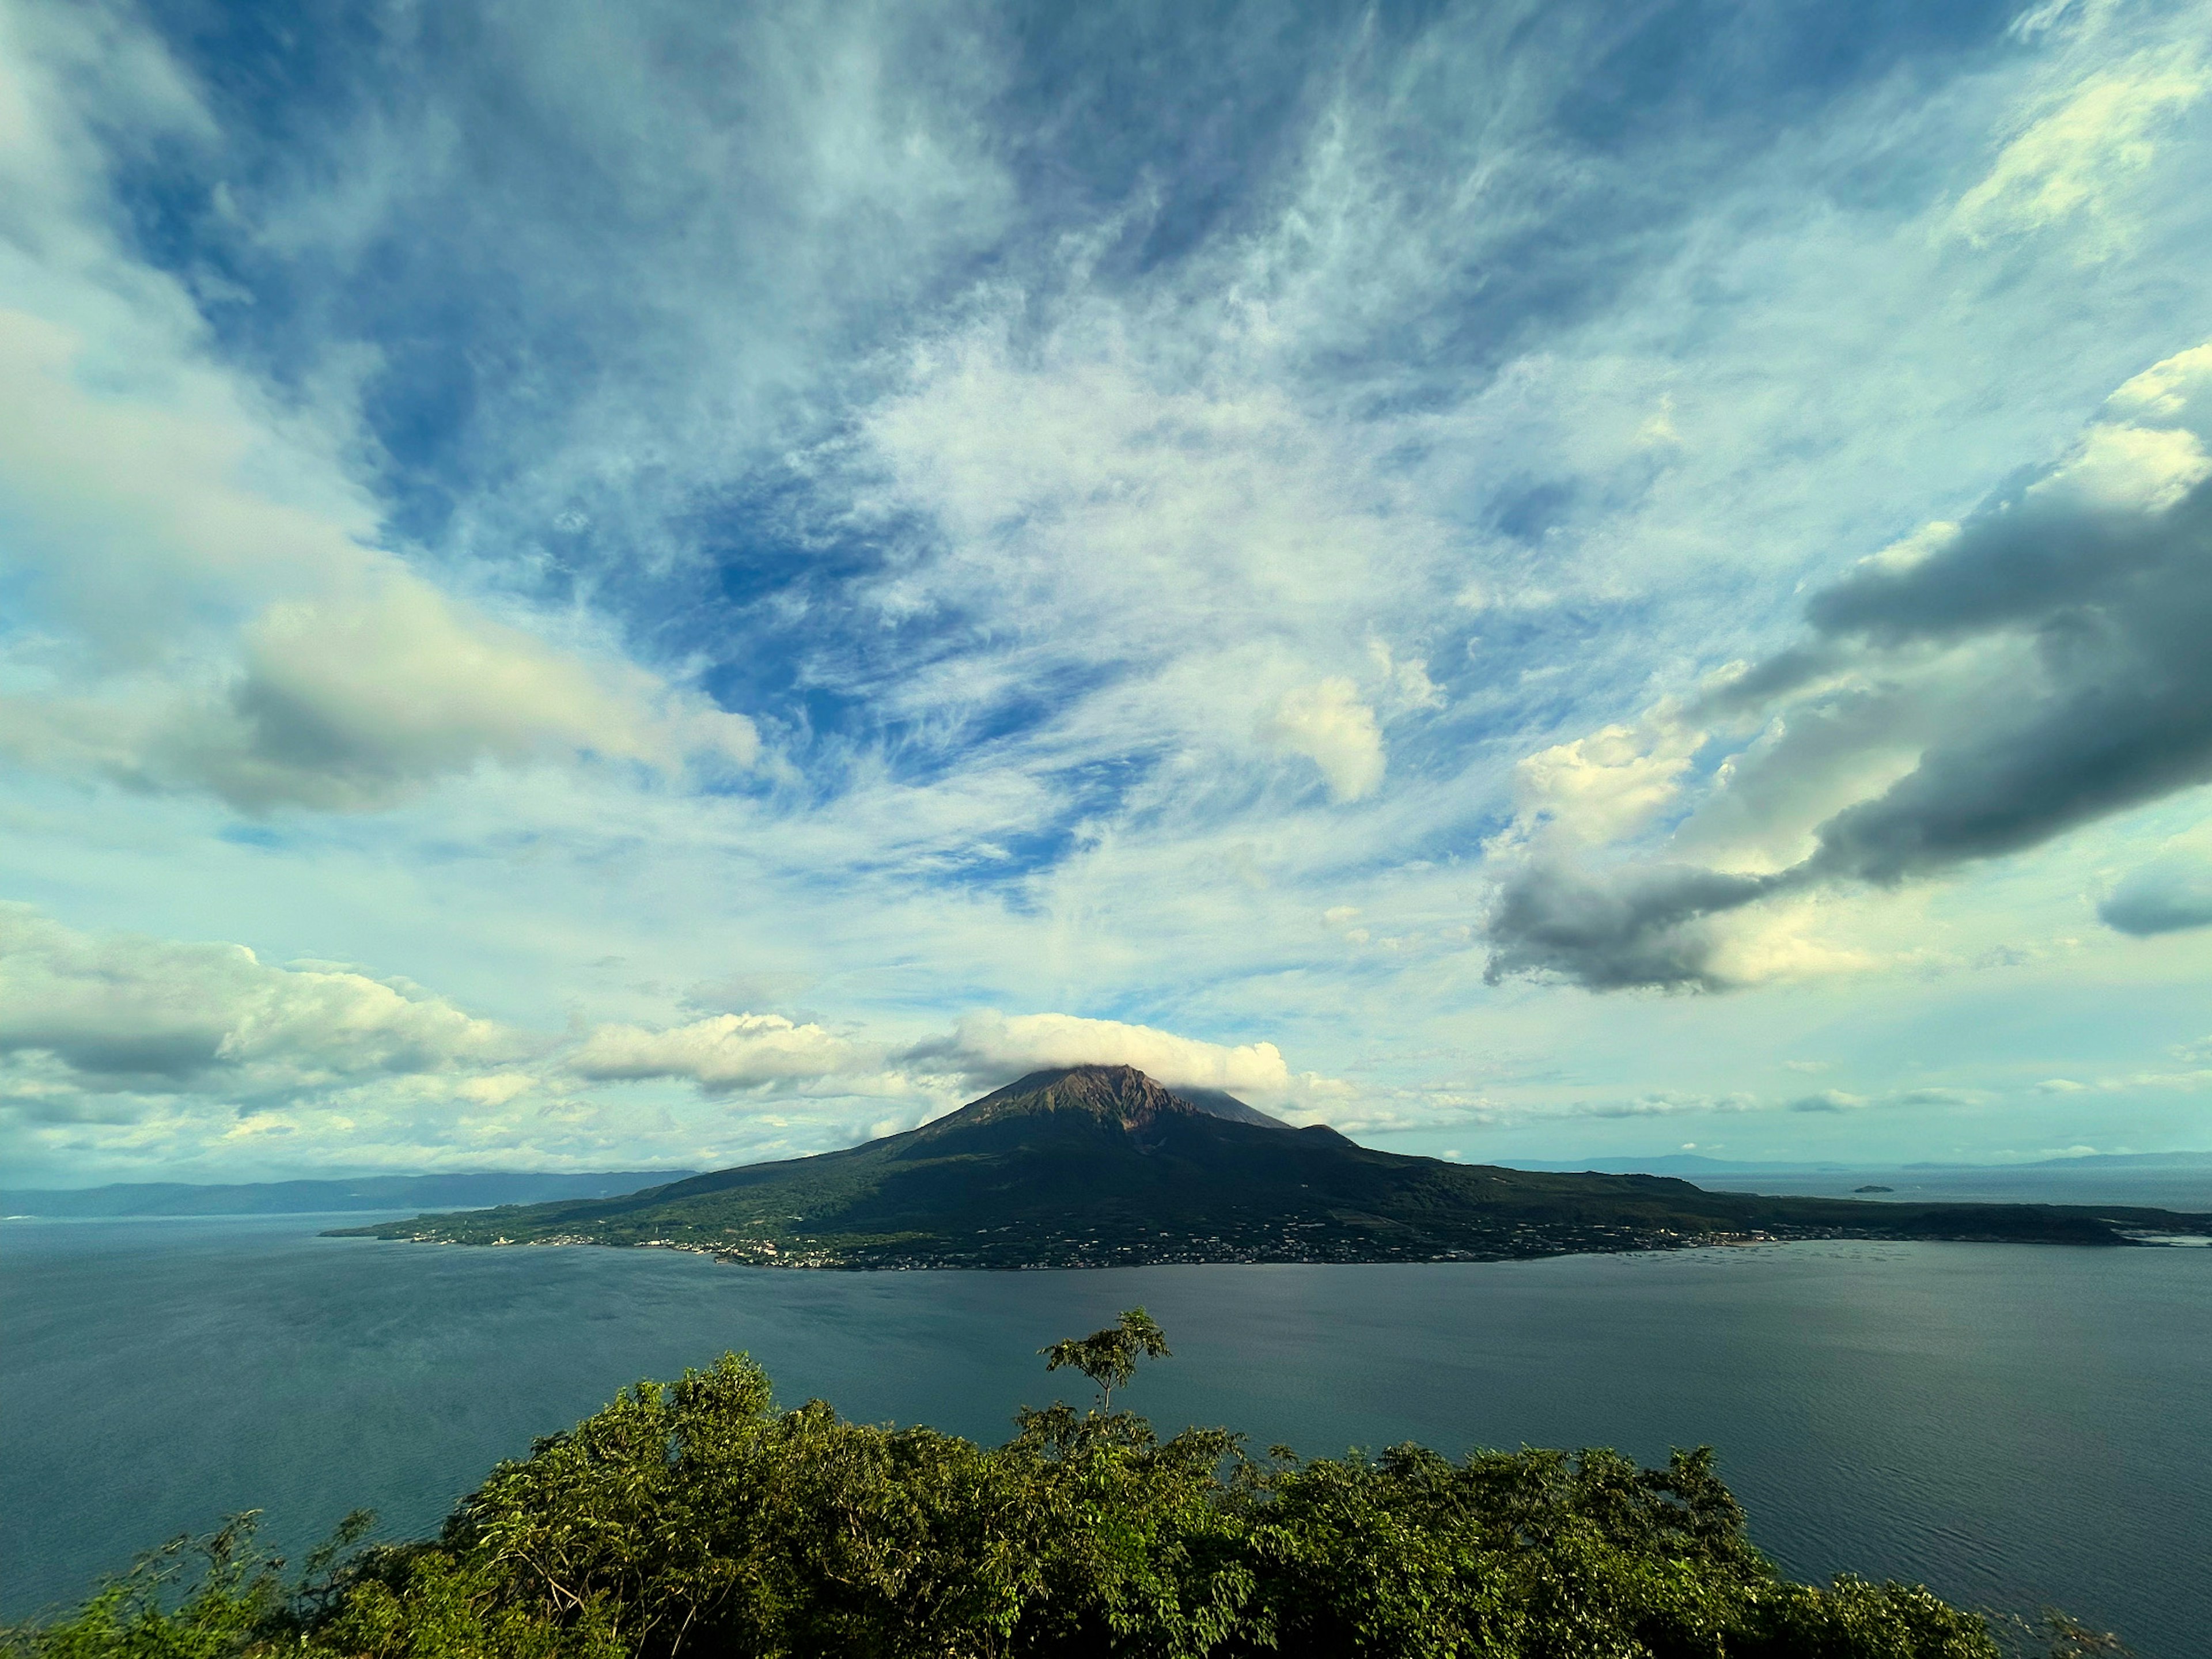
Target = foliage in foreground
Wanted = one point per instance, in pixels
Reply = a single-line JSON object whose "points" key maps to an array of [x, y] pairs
{"points": [[696, 1518]]}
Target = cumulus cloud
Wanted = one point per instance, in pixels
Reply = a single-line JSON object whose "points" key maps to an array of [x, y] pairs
{"points": [[202, 596], [1331, 726], [1600, 787], [1830, 1100], [344, 702], [721, 1053], [1645, 925], [196, 1059], [994, 1047], [141, 1043], [730, 1052], [2169, 894], [727, 1053], [359, 684], [2177, 392], [2061, 629], [118, 1012]]}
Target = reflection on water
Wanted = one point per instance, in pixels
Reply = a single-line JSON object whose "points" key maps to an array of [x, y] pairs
{"points": [[2015, 1425]]}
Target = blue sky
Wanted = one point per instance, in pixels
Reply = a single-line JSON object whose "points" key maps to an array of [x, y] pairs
{"points": [[588, 587]]}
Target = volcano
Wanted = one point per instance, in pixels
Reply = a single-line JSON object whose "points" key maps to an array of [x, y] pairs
{"points": [[1101, 1165]]}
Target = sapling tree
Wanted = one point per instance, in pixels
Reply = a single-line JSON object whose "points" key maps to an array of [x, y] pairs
{"points": [[1109, 1358]]}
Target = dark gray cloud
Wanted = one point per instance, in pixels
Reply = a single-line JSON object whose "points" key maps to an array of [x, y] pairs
{"points": [[117, 1058], [1829, 1100], [2165, 896], [1633, 926], [2119, 608], [2103, 702]]}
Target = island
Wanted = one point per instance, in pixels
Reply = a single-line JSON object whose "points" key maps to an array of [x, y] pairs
{"points": [[1094, 1166]]}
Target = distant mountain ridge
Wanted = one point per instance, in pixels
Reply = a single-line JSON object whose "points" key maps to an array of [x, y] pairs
{"points": [[1101, 1165], [472, 1190]]}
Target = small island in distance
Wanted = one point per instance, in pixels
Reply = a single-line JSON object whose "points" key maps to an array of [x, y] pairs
{"points": [[1102, 1166]]}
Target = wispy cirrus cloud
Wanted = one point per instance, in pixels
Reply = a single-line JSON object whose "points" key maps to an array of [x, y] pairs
{"points": [[847, 496], [205, 598], [2069, 159]]}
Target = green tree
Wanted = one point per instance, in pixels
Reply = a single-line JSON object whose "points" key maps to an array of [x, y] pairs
{"points": [[209, 1598], [697, 1520], [1109, 1358]]}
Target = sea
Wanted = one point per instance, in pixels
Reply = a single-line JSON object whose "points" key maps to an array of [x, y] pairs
{"points": [[2014, 1426]]}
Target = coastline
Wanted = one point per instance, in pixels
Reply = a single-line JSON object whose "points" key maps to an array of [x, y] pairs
{"points": [[832, 1261]]}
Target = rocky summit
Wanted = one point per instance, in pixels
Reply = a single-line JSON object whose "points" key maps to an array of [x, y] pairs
{"points": [[1101, 1165]]}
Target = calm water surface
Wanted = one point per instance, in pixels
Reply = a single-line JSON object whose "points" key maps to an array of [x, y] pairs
{"points": [[2013, 1425]]}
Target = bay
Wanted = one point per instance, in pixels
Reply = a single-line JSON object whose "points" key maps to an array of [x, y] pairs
{"points": [[2014, 1426]]}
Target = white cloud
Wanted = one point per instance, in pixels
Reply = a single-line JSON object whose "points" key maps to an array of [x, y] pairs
{"points": [[2175, 391], [118, 1013], [991, 1044], [1115, 506], [2145, 468], [202, 598], [1669, 1104], [343, 700], [725, 1053], [134, 1050], [1930, 720], [1209, 567], [2154, 454], [1330, 726], [1783, 942], [141, 529], [2071, 159], [1601, 788], [1917, 549], [50, 156], [1406, 680], [720, 1054]]}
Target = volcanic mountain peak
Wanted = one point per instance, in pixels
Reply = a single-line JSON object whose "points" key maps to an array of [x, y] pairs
{"points": [[1088, 1166], [1117, 1094]]}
